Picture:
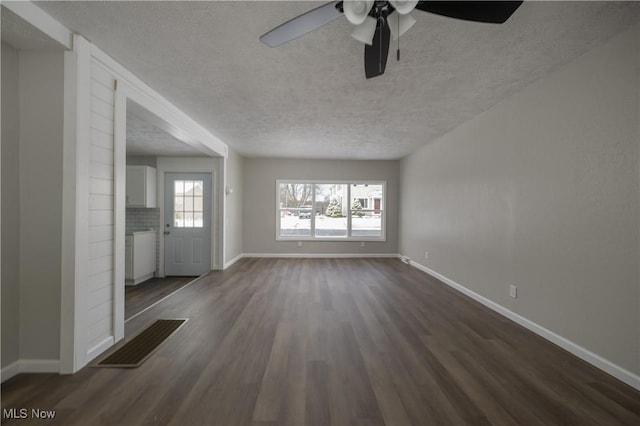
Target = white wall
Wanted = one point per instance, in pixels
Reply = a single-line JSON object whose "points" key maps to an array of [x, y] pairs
{"points": [[542, 191], [10, 208], [234, 207], [41, 111], [259, 210]]}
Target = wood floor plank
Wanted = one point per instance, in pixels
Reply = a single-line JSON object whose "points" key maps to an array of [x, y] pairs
{"points": [[317, 403], [495, 412], [332, 342], [270, 396], [293, 404], [141, 296]]}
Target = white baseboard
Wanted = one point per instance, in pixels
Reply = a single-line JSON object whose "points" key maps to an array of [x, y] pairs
{"points": [[323, 255], [39, 366], [607, 366], [232, 261], [99, 348], [30, 366], [10, 370]]}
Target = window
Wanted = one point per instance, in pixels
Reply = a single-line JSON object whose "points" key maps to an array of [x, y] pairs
{"points": [[187, 204], [330, 210]]}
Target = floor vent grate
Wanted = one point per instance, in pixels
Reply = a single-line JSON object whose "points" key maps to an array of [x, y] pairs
{"points": [[138, 349]]}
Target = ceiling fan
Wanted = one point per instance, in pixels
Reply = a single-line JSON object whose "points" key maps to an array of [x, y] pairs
{"points": [[376, 22]]}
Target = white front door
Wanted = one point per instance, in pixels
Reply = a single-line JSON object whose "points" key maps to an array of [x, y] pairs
{"points": [[187, 230]]}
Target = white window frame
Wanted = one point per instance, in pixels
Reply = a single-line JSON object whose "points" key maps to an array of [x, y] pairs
{"points": [[193, 211], [348, 237]]}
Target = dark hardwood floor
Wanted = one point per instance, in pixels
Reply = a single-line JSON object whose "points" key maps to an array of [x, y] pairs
{"points": [[333, 341], [141, 296]]}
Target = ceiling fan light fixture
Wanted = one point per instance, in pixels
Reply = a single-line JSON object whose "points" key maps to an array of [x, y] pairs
{"points": [[365, 31], [403, 7], [376, 20], [357, 11], [399, 24]]}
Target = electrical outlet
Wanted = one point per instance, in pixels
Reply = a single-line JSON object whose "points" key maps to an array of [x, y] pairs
{"points": [[299, 243], [513, 291], [426, 255], [362, 244]]}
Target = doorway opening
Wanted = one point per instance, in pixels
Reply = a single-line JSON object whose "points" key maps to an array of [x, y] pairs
{"points": [[150, 141]]}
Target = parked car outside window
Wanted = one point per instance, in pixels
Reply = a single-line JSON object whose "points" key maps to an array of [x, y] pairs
{"points": [[305, 214]]}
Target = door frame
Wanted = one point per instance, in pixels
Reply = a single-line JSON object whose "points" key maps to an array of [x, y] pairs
{"points": [[208, 220], [211, 166]]}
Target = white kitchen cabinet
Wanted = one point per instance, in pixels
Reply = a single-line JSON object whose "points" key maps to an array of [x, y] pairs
{"points": [[139, 256], [141, 186]]}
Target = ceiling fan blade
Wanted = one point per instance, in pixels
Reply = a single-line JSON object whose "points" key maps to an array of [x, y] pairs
{"points": [[375, 56], [303, 24], [494, 12]]}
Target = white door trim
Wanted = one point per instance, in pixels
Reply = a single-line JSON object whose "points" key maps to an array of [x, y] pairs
{"points": [[75, 213], [122, 92]]}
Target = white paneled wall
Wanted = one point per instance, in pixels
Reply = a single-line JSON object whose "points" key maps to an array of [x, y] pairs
{"points": [[101, 212]]}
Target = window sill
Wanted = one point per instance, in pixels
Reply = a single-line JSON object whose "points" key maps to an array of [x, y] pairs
{"points": [[334, 239]]}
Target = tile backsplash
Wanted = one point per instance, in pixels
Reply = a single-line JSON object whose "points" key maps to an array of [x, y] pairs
{"points": [[141, 219]]}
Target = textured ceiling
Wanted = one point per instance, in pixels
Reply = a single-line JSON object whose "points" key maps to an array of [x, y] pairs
{"points": [[144, 138], [309, 98], [22, 35]]}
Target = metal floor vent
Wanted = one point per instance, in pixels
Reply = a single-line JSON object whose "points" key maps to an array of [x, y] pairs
{"points": [[138, 349]]}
